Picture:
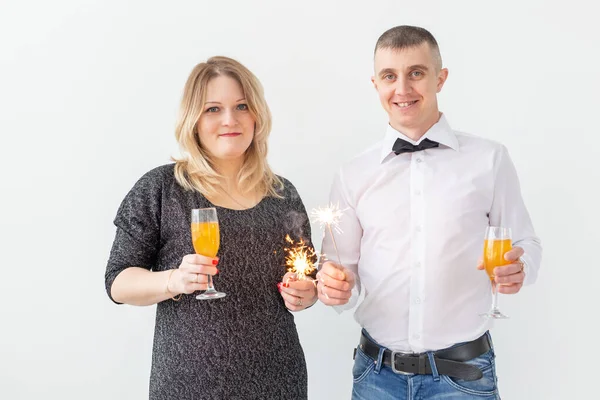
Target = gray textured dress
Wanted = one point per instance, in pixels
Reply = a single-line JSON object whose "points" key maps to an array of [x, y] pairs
{"points": [[243, 346]]}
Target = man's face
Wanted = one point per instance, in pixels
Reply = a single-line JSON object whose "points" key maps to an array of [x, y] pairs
{"points": [[407, 82]]}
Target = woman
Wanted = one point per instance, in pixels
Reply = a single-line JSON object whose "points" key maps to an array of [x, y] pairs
{"points": [[245, 345]]}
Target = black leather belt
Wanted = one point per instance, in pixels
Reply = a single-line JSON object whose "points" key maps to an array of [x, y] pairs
{"points": [[448, 361]]}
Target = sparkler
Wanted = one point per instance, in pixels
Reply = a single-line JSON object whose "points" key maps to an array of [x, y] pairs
{"points": [[329, 217], [299, 258]]}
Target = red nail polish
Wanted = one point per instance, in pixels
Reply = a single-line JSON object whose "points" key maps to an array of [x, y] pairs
{"points": [[217, 271], [215, 262], [286, 285]]}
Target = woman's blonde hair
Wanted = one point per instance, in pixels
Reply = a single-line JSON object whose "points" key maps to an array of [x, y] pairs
{"points": [[194, 169]]}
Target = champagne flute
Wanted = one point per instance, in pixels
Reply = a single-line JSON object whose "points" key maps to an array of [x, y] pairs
{"points": [[497, 242], [206, 240]]}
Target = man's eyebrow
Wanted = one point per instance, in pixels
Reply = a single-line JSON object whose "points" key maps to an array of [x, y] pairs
{"points": [[387, 71], [393, 71], [419, 66]]}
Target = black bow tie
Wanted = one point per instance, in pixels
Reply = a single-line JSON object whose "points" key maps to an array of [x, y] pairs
{"points": [[402, 146]]}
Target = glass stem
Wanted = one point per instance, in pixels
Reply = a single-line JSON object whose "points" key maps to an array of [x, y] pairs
{"points": [[209, 284], [495, 298]]}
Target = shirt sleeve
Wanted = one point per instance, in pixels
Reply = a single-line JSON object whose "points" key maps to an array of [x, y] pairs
{"points": [[347, 238], [508, 210], [137, 238]]}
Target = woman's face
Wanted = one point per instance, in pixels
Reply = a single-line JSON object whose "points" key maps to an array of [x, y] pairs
{"points": [[226, 126]]}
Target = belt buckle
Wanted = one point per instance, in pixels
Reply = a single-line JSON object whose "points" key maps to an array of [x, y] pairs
{"points": [[393, 362]]}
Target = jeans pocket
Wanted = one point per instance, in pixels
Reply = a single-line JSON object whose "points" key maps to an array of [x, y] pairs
{"points": [[363, 366], [486, 386]]}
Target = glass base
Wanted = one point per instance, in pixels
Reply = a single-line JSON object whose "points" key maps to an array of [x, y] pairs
{"points": [[496, 314], [210, 294]]}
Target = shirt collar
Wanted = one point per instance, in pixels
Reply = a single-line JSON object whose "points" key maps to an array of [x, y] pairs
{"points": [[440, 132]]}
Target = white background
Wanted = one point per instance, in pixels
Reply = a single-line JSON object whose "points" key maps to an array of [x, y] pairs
{"points": [[88, 97]]}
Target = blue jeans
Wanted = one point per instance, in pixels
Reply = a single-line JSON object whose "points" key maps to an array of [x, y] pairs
{"points": [[372, 381]]}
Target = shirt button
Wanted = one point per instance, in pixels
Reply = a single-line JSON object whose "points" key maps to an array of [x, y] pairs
{"points": [[417, 192], [417, 264], [418, 300], [416, 336], [419, 160], [418, 228]]}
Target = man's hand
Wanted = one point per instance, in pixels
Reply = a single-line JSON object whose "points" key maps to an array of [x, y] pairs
{"points": [[335, 284], [509, 278]]}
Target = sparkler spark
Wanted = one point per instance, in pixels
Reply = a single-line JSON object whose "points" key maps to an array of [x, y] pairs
{"points": [[328, 216], [300, 258]]}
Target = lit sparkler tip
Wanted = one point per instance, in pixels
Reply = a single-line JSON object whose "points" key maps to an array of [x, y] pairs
{"points": [[328, 216], [299, 259]]}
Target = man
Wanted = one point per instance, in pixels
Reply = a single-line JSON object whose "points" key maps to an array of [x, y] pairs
{"points": [[417, 205]]}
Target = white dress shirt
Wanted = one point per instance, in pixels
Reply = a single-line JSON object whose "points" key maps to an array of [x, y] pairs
{"points": [[413, 231]]}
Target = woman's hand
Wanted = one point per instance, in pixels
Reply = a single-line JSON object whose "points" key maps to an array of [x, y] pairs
{"points": [[297, 294], [191, 274]]}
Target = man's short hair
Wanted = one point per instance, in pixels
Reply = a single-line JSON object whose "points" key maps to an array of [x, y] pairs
{"points": [[406, 36]]}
